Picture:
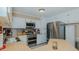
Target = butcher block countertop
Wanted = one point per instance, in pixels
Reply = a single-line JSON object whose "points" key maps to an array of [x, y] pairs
{"points": [[17, 46], [62, 45]]}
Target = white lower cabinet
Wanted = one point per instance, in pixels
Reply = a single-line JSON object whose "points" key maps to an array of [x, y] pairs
{"points": [[23, 39], [41, 38], [11, 40]]}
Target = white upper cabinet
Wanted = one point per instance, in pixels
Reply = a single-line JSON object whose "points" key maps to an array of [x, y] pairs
{"points": [[18, 22], [3, 11]]}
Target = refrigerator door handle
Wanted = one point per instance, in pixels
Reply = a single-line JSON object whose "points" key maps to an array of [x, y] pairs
{"points": [[56, 30]]}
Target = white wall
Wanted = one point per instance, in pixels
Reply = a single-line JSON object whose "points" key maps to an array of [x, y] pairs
{"points": [[67, 17]]}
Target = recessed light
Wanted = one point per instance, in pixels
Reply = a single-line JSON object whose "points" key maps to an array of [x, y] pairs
{"points": [[42, 10]]}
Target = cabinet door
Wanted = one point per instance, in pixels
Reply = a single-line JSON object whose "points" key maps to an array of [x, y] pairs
{"points": [[18, 22], [23, 39], [3, 11], [41, 39], [38, 39], [38, 24], [70, 34]]}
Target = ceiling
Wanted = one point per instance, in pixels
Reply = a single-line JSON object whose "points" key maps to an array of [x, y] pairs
{"points": [[49, 11]]}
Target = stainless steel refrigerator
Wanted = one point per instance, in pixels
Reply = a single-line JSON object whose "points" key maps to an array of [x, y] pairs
{"points": [[56, 30]]}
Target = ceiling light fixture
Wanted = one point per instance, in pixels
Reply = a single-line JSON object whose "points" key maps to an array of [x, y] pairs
{"points": [[41, 10]]}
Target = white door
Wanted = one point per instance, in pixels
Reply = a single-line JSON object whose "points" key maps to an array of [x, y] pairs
{"points": [[70, 34]]}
